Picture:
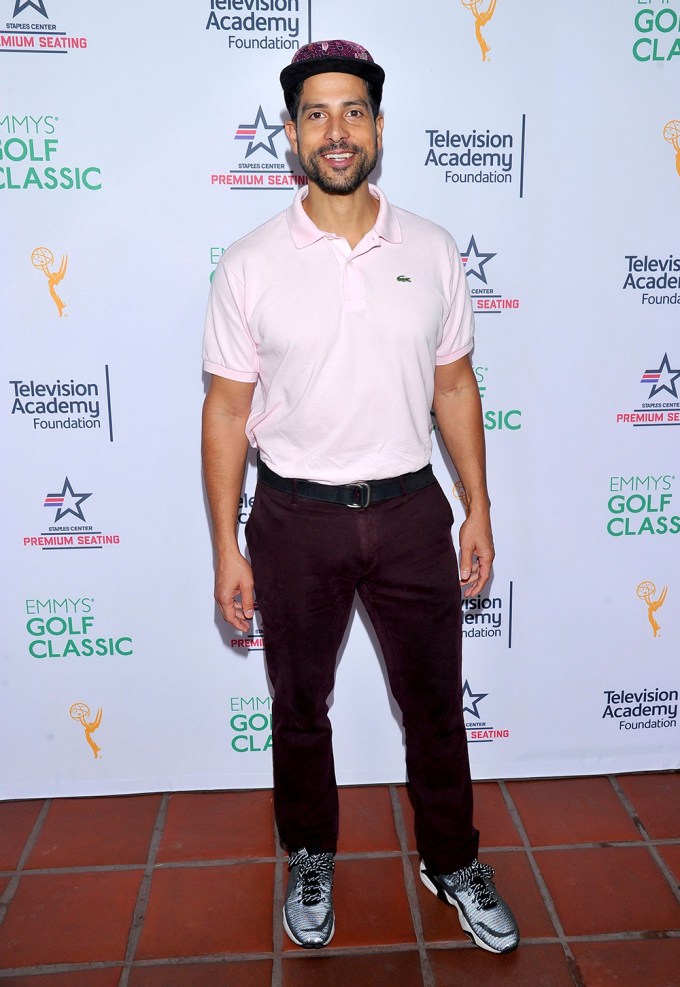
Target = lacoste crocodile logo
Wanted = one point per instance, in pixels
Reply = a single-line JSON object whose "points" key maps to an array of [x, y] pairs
{"points": [[402, 277]]}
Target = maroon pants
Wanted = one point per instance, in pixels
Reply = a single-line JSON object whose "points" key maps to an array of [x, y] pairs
{"points": [[308, 560]]}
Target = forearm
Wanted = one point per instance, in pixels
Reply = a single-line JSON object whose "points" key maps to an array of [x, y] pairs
{"points": [[224, 450], [458, 411]]}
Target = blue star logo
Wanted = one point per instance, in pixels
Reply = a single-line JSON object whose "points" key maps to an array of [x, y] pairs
{"points": [[37, 5], [471, 700], [67, 501], [259, 134], [475, 260], [662, 378]]}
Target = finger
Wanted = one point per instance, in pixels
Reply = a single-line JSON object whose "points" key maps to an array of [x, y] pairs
{"points": [[465, 566], [479, 581], [248, 601], [232, 612]]}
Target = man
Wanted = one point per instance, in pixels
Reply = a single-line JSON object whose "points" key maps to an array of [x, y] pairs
{"points": [[332, 330]]}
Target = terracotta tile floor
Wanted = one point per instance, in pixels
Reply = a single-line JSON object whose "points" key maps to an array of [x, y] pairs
{"points": [[184, 890]]}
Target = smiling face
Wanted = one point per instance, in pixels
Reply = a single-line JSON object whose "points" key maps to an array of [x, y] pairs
{"points": [[336, 137]]}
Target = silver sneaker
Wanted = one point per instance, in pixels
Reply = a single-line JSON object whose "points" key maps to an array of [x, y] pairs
{"points": [[308, 915], [483, 914]]}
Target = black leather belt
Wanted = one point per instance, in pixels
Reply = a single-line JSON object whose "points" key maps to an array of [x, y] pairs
{"points": [[349, 494]]}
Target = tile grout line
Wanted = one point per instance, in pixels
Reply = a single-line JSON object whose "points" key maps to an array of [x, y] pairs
{"points": [[542, 886], [347, 855], [277, 906], [10, 890], [649, 843], [411, 892], [226, 959], [142, 902]]}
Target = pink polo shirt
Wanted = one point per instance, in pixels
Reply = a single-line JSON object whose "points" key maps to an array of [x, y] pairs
{"points": [[342, 343]]}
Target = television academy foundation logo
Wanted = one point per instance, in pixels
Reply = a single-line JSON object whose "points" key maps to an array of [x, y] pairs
{"points": [[31, 31], [478, 730], [485, 300], [30, 154], [657, 26], [641, 709], [641, 505], [656, 280], [261, 24], [64, 534], [489, 616], [665, 410], [480, 156], [250, 723], [63, 403], [646, 591], [260, 167], [42, 259], [81, 713], [65, 628], [482, 11]]}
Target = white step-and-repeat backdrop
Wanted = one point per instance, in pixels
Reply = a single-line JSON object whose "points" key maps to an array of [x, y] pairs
{"points": [[136, 142]]}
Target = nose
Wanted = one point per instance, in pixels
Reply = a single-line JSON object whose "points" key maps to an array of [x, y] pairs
{"points": [[336, 129]]}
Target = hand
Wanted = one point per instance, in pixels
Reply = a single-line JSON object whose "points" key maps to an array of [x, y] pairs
{"points": [[476, 553], [234, 579]]}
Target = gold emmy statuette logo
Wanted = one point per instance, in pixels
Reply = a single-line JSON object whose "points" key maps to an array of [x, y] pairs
{"points": [[80, 712], [42, 258], [482, 11], [671, 133], [645, 592]]}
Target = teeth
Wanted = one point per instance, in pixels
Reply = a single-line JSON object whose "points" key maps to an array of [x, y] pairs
{"points": [[338, 157]]}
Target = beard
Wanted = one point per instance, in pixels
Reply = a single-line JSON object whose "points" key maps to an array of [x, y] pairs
{"points": [[340, 182]]}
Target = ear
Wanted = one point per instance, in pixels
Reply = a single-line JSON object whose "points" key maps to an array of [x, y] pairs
{"points": [[379, 124], [291, 134]]}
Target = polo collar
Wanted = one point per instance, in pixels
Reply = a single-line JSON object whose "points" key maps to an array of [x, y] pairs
{"points": [[304, 232]]}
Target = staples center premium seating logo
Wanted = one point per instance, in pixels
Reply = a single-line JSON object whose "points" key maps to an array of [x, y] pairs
{"points": [[486, 299], [662, 407], [263, 164], [69, 530], [478, 730], [31, 31]]}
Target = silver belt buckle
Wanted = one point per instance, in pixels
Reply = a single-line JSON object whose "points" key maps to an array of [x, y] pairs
{"points": [[365, 500]]}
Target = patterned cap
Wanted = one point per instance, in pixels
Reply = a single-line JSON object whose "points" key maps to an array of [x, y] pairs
{"points": [[331, 56]]}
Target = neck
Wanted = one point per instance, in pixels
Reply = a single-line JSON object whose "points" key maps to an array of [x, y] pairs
{"points": [[349, 216]]}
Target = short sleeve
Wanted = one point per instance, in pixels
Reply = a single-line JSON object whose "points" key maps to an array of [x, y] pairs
{"points": [[228, 348], [459, 328]]}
